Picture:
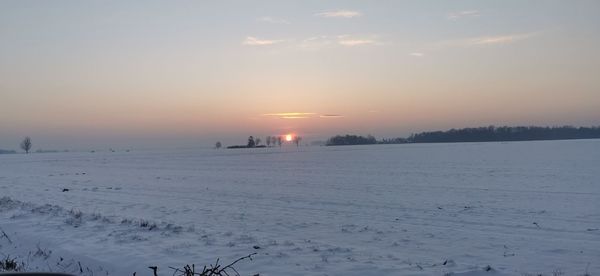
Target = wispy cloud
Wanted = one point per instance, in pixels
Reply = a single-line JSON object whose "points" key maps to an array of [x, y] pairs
{"points": [[356, 42], [291, 115], [272, 20], [347, 40], [316, 43], [294, 117], [417, 54], [463, 14], [481, 41], [254, 41], [301, 115], [339, 14], [326, 41], [499, 39]]}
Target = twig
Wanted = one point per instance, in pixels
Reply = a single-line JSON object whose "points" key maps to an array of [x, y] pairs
{"points": [[154, 269], [245, 257], [6, 236], [213, 270]]}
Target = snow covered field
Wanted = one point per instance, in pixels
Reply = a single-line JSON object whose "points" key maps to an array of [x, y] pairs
{"points": [[420, 209]]}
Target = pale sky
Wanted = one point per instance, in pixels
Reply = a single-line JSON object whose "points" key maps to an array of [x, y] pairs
{"points": [[99, 74]]}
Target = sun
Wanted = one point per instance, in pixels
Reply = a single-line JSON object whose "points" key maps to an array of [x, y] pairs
{"points": [[288, 137]]}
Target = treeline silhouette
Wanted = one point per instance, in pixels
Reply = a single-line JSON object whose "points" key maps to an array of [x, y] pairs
{"points": [[351, 140], [479, 134], [505, 133]]}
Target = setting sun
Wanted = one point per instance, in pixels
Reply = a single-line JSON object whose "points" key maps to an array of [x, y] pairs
{"points": [[288, 137]]}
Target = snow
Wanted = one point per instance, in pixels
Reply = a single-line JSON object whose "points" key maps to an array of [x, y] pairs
{"points": [[418, 209]]}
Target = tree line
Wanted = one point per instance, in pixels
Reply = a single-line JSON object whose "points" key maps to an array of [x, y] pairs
{"points": [[270, 141], [340, 140], [478, 134], [505, 133]]}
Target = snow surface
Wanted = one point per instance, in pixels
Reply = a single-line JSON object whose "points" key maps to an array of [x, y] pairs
{"points": [[419, 209]]}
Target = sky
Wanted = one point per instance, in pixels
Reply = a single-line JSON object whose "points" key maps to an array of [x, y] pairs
{"points": [[100, 74]]}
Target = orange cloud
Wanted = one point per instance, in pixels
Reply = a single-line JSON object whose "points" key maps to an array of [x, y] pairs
{"points": [[289, 114]]}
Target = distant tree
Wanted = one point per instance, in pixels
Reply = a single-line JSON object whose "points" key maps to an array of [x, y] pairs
{"points": [[251, 142], [297, 140], [268, 141], [26, 144], [218, 145], [279, 141], [7, 151], [257, 141], [273, 140]]}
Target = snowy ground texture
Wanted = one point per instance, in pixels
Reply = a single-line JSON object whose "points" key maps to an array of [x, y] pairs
{"points": [[521, 208]]}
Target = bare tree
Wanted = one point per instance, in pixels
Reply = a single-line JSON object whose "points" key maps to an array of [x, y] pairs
{"points": [[268, 141], [273, 140], [279, 141], [218, 145], [251, 142], [26, 144], [297, 140], [257, 141]]}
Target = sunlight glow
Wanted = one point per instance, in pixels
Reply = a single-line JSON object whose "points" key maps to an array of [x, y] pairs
{"points": [[288, 137]]}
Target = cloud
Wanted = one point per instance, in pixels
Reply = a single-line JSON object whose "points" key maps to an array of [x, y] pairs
{"points": [[481, 41], [417, 54], [272, 20], [499, 39], [254, 41], [317, 43], [463, 14], [301, 115], [347, 40], [356, 42], [325, 41], [294, 117], [339, 14], [291, 114]]}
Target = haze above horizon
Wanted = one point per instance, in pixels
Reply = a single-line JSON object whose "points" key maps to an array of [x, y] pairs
{"points": [[77, 74]]}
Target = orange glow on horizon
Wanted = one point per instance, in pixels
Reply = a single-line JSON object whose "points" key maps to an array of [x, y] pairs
{"points": [[288, 137]]}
